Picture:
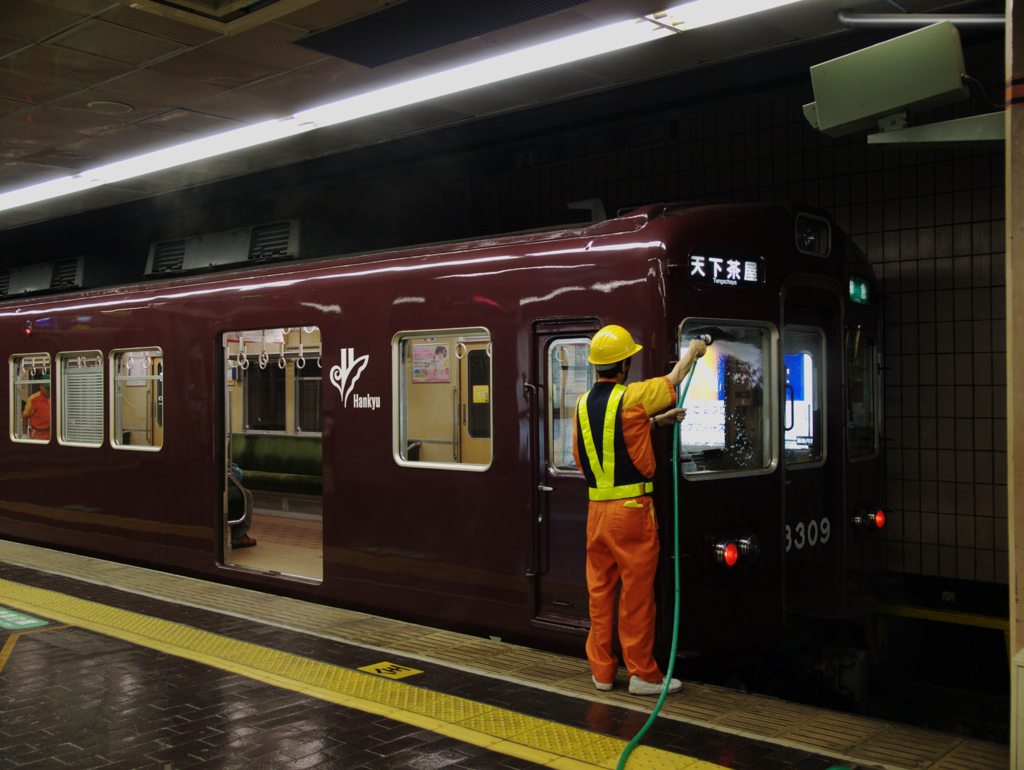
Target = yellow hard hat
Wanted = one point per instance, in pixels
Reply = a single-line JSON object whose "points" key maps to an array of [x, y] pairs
{"points": [[611, 344]]}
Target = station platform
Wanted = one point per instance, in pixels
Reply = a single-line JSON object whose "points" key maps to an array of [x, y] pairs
{"points": [[104, 665]]}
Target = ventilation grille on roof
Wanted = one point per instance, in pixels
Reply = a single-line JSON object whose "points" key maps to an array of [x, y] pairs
{"points": [[5, 282], [65, 274], [416, 26], [270, 241], [168, 257], [230, 248]]}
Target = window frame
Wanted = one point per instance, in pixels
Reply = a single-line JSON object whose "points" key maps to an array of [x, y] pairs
{"points": [[158, 381], [769, 399], [61, 397], [399, 405], [821, 392], [16, 410], [549, 416]]}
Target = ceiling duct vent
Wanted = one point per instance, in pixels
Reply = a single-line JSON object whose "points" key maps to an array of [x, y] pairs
{"points": [[230, 248], [417, 26]]}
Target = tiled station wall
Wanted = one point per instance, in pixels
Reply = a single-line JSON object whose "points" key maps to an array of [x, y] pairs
{"points": [[931, 222]]}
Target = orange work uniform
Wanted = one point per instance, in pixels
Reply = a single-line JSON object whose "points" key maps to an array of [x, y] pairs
{"points": [[612, 446], [37, 410]]}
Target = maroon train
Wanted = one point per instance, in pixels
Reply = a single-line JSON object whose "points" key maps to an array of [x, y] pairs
{"points": [[428, 398]]}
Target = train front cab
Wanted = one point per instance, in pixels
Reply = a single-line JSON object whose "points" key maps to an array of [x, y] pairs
{"points": [[778, 419]]}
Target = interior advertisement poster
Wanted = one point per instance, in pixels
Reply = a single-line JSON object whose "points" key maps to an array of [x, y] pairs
{"points": [[430, 363]]}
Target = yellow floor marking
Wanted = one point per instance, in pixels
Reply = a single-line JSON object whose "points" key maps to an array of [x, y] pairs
{"points": [[5, 653], [535, 740]]}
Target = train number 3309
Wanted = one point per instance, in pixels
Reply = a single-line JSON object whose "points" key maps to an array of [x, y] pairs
{"points": [[808, 535]]}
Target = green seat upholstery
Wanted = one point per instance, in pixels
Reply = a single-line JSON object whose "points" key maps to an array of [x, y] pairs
{"points": [[279, 463]]}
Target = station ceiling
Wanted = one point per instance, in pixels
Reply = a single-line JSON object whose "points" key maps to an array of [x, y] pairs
{"points": [[87, 82]]}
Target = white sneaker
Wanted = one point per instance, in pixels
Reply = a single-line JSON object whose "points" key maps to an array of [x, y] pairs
{"points": [[601, 685], [638, 686]]}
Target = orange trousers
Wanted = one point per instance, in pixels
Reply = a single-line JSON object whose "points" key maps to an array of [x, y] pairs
{"points": [[622, 543]]}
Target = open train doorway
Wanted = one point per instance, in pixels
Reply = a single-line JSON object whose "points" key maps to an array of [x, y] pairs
{"points": [[272, 508]]}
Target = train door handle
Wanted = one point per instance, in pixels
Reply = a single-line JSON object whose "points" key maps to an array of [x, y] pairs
{"points": [[543, 488]]}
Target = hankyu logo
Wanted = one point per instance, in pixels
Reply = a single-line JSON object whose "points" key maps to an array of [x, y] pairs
{"points": [[345, 376]]}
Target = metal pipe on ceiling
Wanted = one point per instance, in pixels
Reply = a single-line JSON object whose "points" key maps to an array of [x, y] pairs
{"points": [[852, 20]]}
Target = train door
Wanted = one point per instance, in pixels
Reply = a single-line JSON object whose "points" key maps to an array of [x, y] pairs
{"points": [[272, 483], [812, 448], [561, 375]]}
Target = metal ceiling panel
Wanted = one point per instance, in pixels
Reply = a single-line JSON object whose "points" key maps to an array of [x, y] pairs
{"points": [[133, 18], [269, 44], [29, 21], [47, 61], [416, 26], [218, 69], [156, 87], [115, 42], [190, 122], [31, 89], [318, 83]]}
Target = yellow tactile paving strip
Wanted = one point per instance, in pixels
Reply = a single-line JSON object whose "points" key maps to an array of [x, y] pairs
{"points": [[536, 740], [851, 740]]}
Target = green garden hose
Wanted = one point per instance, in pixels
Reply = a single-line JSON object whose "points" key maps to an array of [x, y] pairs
{"points": [[666, 683]]}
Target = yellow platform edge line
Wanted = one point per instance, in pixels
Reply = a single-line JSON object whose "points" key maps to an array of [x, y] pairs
{"points": [[189, 642]]}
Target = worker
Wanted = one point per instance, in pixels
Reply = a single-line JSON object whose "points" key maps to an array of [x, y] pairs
{"points": [[612, 446], [36, 414]]}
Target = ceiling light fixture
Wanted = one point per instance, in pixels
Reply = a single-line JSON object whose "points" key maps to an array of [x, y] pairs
{"points": [[612, 37], [701, 13]]}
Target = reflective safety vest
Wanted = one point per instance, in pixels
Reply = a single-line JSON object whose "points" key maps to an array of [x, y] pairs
{"points": [[611, 474]]}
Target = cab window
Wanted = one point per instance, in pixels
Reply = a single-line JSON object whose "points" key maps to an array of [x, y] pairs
{"points": [[728, 427], [804, 407], [30, 397], [444, 406]]}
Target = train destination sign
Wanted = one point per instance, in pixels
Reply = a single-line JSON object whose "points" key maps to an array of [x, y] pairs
{"points": [[726, 270]]}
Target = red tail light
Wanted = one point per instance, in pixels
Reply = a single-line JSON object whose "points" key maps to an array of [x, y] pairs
{"points": [[730, 552], [866, 519]]}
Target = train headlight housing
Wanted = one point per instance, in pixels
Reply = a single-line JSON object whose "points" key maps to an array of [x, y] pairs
{"points": [[867, 518], [736, 553]]}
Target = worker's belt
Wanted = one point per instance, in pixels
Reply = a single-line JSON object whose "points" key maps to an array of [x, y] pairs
{"points": [[621, 493]]}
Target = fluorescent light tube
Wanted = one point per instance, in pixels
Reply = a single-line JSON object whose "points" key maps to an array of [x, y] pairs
{"points": [[701, 13]]}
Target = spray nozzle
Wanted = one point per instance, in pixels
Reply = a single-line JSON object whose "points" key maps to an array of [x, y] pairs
{"points": [[705, 338]]}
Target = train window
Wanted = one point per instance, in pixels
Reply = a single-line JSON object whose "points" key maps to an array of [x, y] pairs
{"points": [[728, 427], [274, 380], [570, 375], [30, 397], [80, 398], [804, 406], [136, 399], [862, 373], [443, 409]]}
